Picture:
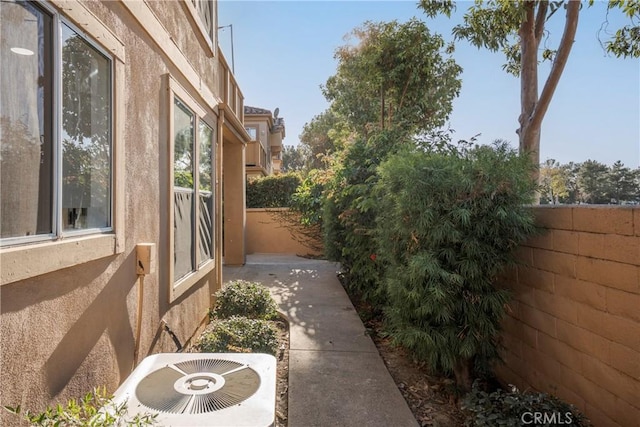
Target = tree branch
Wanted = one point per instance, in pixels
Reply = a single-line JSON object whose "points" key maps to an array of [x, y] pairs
{"points": [[404, 92], [540, 20], [571, 25]]}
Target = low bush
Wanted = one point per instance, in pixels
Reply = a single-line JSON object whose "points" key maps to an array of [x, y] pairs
{"points": [[273, 191], [238, 335], [514, 409], [95, 409], [243, 298]]}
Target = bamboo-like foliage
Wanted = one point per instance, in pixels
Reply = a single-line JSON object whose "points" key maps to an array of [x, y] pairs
{"points": [[447, 225]]}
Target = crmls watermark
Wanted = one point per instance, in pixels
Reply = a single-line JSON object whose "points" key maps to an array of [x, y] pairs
{"points": [[547, 418]]}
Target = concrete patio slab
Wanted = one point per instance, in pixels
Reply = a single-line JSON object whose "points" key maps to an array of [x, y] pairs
{"points": [[336, 376]]}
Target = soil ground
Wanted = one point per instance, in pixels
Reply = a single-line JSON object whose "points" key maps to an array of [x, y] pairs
{"points": [[431, 399], [282, 380]]}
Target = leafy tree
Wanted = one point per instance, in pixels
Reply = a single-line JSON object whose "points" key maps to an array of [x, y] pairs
{"points": [[394, 76], [293, 158], [570, 171], [516, 28], [626, 41], [553, 182], [592, 182], [622, 186], [321, 137], [396, 83]]}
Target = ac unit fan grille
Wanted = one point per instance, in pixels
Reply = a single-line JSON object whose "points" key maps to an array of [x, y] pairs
{"points": [[197, 386]]}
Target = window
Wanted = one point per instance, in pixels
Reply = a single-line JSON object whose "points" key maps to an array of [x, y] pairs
{"points": [[203, 14], [205, 10], [193, 190], [55, 127], [253, 132]]}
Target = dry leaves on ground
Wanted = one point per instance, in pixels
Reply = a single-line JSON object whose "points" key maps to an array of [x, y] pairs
{"points": [[430, 398], [282, 380]]}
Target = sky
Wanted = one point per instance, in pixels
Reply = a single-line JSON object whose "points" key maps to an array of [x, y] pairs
{"points": [[283, 51]]}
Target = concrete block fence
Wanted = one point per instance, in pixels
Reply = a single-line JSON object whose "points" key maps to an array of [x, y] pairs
{"points": [[268, 233], [573, 327]]}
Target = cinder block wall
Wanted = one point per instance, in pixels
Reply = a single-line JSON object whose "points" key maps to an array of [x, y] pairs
{"points": [[574, 325]]}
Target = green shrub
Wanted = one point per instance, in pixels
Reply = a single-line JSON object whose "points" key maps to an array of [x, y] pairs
{"points": [[95, 409], [350, 212], [448, 224], [308, 197], [243, 298], [238, 335], [273, 191], [513, 409], [303, 219]]}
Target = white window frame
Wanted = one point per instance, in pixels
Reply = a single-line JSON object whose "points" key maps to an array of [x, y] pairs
{"points": [[25, 257], [202, 268]]}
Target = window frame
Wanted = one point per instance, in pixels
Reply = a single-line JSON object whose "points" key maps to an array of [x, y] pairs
{"points": [[58, 230], [62, 249], [209, 40], [255, 128], [58, 131], [202, 268]]}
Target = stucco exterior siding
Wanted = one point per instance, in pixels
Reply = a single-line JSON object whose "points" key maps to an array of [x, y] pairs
{"points": [[68, 330]]}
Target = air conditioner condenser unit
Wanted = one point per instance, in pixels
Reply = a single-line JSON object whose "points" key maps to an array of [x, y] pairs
{"points": [[203, 389]]}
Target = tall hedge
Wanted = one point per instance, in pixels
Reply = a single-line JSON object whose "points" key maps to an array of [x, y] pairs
{"points": [[350, 211], [447, 225], [273, 191]]}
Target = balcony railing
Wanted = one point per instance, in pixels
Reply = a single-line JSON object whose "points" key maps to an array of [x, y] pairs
{"points": [[229, 90]]}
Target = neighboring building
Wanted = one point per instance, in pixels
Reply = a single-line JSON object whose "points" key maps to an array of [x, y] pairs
{"points": [[114, 117], [264, 151]]}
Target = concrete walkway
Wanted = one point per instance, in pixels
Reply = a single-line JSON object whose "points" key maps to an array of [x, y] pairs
{"points": [[336, 376]]}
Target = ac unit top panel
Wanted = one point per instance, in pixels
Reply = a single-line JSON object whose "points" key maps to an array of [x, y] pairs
{"points": [[203, 389]]}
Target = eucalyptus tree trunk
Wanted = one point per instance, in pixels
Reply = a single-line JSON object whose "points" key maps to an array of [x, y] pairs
{"points": [[534, 108], [530, 134]]}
